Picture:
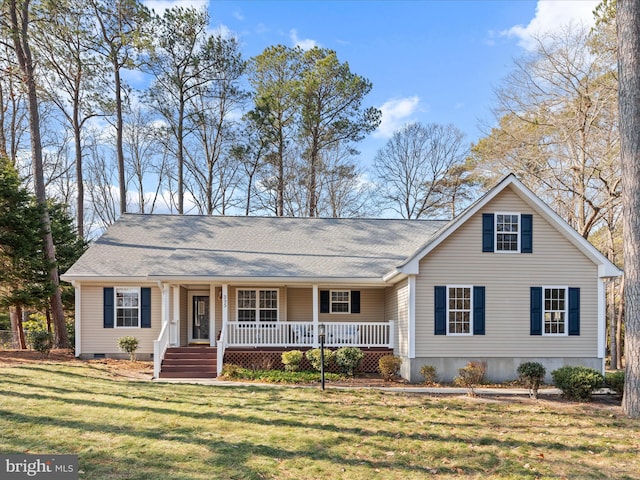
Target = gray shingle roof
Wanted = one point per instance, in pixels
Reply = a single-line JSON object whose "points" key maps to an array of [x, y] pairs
{"points": [[228, 247]]}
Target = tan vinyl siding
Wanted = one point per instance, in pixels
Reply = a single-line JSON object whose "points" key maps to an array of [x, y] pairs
{"points": [[97, 339], [300, 304], [397, 309], [371, 307], [507, 278]]}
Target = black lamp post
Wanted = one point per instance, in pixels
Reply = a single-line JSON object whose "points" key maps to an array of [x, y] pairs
{"points": [[321, 333]]}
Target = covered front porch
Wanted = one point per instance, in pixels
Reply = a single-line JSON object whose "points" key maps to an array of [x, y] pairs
{"points": [[237, 316]]}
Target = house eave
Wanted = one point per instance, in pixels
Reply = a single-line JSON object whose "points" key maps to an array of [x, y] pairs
{"points": [[249, 280]]}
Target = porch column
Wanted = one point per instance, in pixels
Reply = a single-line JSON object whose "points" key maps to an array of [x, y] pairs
{"points": [[315, 316], [165, 304], [225, 305], [78, 315], [212, 315], [175, 321]]}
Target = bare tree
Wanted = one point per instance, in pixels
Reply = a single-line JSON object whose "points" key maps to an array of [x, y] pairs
{"points": [[412, 168], [629, 104], [19, 20]]}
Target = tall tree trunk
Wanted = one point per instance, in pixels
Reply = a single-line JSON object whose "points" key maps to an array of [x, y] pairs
{"points": [[629, 105], [119, 148], [79, 179], [20, 33], [15, 315]]}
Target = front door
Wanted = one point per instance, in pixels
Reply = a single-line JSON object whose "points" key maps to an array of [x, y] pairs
{"points": [[200, 318]]}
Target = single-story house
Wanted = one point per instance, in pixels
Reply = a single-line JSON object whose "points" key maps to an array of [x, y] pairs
{"points": [[505, 282]]}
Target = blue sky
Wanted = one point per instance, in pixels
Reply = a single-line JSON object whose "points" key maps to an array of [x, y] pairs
{"points": [[429, 60]]}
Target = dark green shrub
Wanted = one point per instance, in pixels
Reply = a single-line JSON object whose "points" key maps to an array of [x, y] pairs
{"points": [[129, 345], [348, 359], [291, 360], [471, 375], [577, 383], [430, 375], [531, 375], [389, 367], [313, 356], [615, 381], [41, 341]]}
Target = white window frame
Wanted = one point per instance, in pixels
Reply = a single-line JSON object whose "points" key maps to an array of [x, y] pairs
{"points": [[518, 233], [565, 311], [332, 302], [257, 307], [138, 291], [454, 334]]}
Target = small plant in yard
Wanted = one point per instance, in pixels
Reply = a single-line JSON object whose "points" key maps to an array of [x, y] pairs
{"points": [[615, 381], [389, 367], [41, 341], [531, 375], [577, 383], [348, 359], [129, 345], [291, 360], [471, 375], [231, 370], [314, 356], [430, 375]]}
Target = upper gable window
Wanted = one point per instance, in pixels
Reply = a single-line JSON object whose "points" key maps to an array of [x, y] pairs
{"points": [[507, 232]]}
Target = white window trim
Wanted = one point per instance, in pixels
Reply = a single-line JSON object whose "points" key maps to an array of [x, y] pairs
{"points": [[331, 312], [470, 334], [566, 310], [258, 290], [115, 307], [495, 232]]}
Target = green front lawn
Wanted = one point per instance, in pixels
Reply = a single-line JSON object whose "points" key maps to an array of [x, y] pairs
{"points": [[141, 430]]}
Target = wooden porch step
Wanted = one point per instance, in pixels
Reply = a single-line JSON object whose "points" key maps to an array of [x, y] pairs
{"points": [[189, 362]]}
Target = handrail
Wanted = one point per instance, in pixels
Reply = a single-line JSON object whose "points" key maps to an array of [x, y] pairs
{"points": [[159, 348], [221, 347]]}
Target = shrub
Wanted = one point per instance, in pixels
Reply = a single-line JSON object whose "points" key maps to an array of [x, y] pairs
{"points": [[41, 341], [577, 383], [313, 356], [291, 360], [348, 359], [429, 373], [389, 366], [615, 381], [471, 375], [531, 375], [129, 345], [231, 370]]}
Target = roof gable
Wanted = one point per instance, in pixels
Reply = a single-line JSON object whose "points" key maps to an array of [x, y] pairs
{"points": [[605, 267]]}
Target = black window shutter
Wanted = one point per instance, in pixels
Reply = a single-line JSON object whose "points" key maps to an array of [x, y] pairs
{"points": [[440, 301], [478, 310], [107, 303], [526, 239], [355, 301], [574, 311], [487, 232], [145, 307], [324, 301], [536, 310]]}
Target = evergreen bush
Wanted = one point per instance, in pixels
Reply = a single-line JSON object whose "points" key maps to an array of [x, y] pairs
{"points": [[348, 359], [531, 375], [577, 383]]}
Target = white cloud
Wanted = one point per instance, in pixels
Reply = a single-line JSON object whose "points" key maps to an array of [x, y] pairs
{"points": [[305, 44], [551, 15], [395, 113], [159, 6]]}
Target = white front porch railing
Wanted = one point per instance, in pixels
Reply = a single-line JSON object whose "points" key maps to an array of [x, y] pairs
{"points": [[159, 347], [303, 334]]}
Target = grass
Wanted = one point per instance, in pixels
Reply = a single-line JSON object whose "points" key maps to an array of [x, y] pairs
{"points": [[142, 430]]}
